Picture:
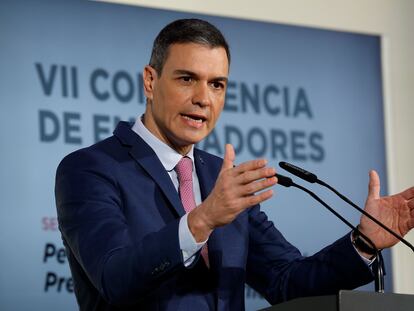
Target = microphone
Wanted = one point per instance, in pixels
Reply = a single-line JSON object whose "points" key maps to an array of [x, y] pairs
{"points": [[379, 281], [299, 172], [283, 180], [312, 178], [288, 182]]}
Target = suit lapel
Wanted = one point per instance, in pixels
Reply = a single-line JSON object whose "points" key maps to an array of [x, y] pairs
{"points": [[148, 160], [225, 271], [204, 177], [207, 182]]}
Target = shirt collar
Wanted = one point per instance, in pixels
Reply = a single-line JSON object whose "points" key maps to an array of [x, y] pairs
{"points": [[168, 156]]}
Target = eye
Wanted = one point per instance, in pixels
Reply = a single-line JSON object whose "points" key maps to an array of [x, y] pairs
{"points": [[217, 85], [186, 79]]}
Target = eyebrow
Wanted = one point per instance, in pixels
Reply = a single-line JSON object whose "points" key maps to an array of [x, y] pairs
{"points": [[193, 74]]}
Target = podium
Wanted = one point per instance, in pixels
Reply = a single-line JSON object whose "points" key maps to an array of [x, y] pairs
{"points": [[349, 301]]}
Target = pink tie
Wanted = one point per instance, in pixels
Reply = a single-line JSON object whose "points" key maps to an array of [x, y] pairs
{"points": [[184, 169]]}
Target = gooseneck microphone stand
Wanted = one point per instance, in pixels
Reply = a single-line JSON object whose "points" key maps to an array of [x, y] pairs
{"points": [[379, 273]]}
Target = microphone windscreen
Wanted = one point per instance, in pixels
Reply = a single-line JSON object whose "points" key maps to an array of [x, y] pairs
{"points": [[299, 172], [283, 180]]}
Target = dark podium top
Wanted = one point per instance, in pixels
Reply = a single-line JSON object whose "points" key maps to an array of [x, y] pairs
{"points": [[349, 301]]}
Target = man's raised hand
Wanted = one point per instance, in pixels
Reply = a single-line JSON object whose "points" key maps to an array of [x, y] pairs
{"points": [[395, 211], [236, 189]]}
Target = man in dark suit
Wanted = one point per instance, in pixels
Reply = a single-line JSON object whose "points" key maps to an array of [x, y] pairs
{"points": [[151, 223]]}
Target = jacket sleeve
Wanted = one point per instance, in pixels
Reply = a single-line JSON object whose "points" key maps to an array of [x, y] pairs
{"points": [[277, 270], [91, 217]]}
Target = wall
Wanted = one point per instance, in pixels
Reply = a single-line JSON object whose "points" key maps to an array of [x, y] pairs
{"points": [[392, 19]]}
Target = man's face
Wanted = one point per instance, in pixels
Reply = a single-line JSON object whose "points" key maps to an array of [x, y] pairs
{"points": [[185, 102]]}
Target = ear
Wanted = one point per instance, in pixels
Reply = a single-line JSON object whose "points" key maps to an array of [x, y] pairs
{"points": [[149, 76]]}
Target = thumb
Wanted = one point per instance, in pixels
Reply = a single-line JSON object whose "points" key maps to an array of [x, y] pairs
{"points": [[374, 186], [229, 157]]}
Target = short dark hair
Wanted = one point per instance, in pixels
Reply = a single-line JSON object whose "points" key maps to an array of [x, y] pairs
{"points": [[185, 31]]}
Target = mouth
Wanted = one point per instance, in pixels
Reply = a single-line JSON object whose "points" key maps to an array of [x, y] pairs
{"points": [[198, 118]]}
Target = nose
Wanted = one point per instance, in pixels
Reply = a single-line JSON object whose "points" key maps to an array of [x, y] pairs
{"points": [[202, 96]]}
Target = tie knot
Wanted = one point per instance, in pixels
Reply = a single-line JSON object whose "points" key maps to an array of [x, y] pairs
{"points": [[184, 169]]}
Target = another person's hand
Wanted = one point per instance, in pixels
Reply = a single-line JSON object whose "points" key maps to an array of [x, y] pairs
{"points": [[394, 211], [236, 189]]}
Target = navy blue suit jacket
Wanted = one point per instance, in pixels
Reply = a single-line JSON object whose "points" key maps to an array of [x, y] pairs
{"points": [[119, 213]]}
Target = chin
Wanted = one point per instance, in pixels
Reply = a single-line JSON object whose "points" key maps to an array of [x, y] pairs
{"points": [[193, 141], [192, 138], [184, 140]]}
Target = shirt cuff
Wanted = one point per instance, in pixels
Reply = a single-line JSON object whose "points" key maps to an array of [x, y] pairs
{"points": [[188, 245], [367, 261]]}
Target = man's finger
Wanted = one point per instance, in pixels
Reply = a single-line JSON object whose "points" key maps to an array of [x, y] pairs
{"points": [[374, 186], [260, 185], [257, 198], [408, 194], [229, 157], [252, 175], [249, 166]]}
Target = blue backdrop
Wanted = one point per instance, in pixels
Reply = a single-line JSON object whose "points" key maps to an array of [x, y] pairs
{"points": [[70, 70]]}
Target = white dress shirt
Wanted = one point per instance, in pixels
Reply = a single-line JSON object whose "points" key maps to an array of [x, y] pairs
{"points": [[169, 159]]}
